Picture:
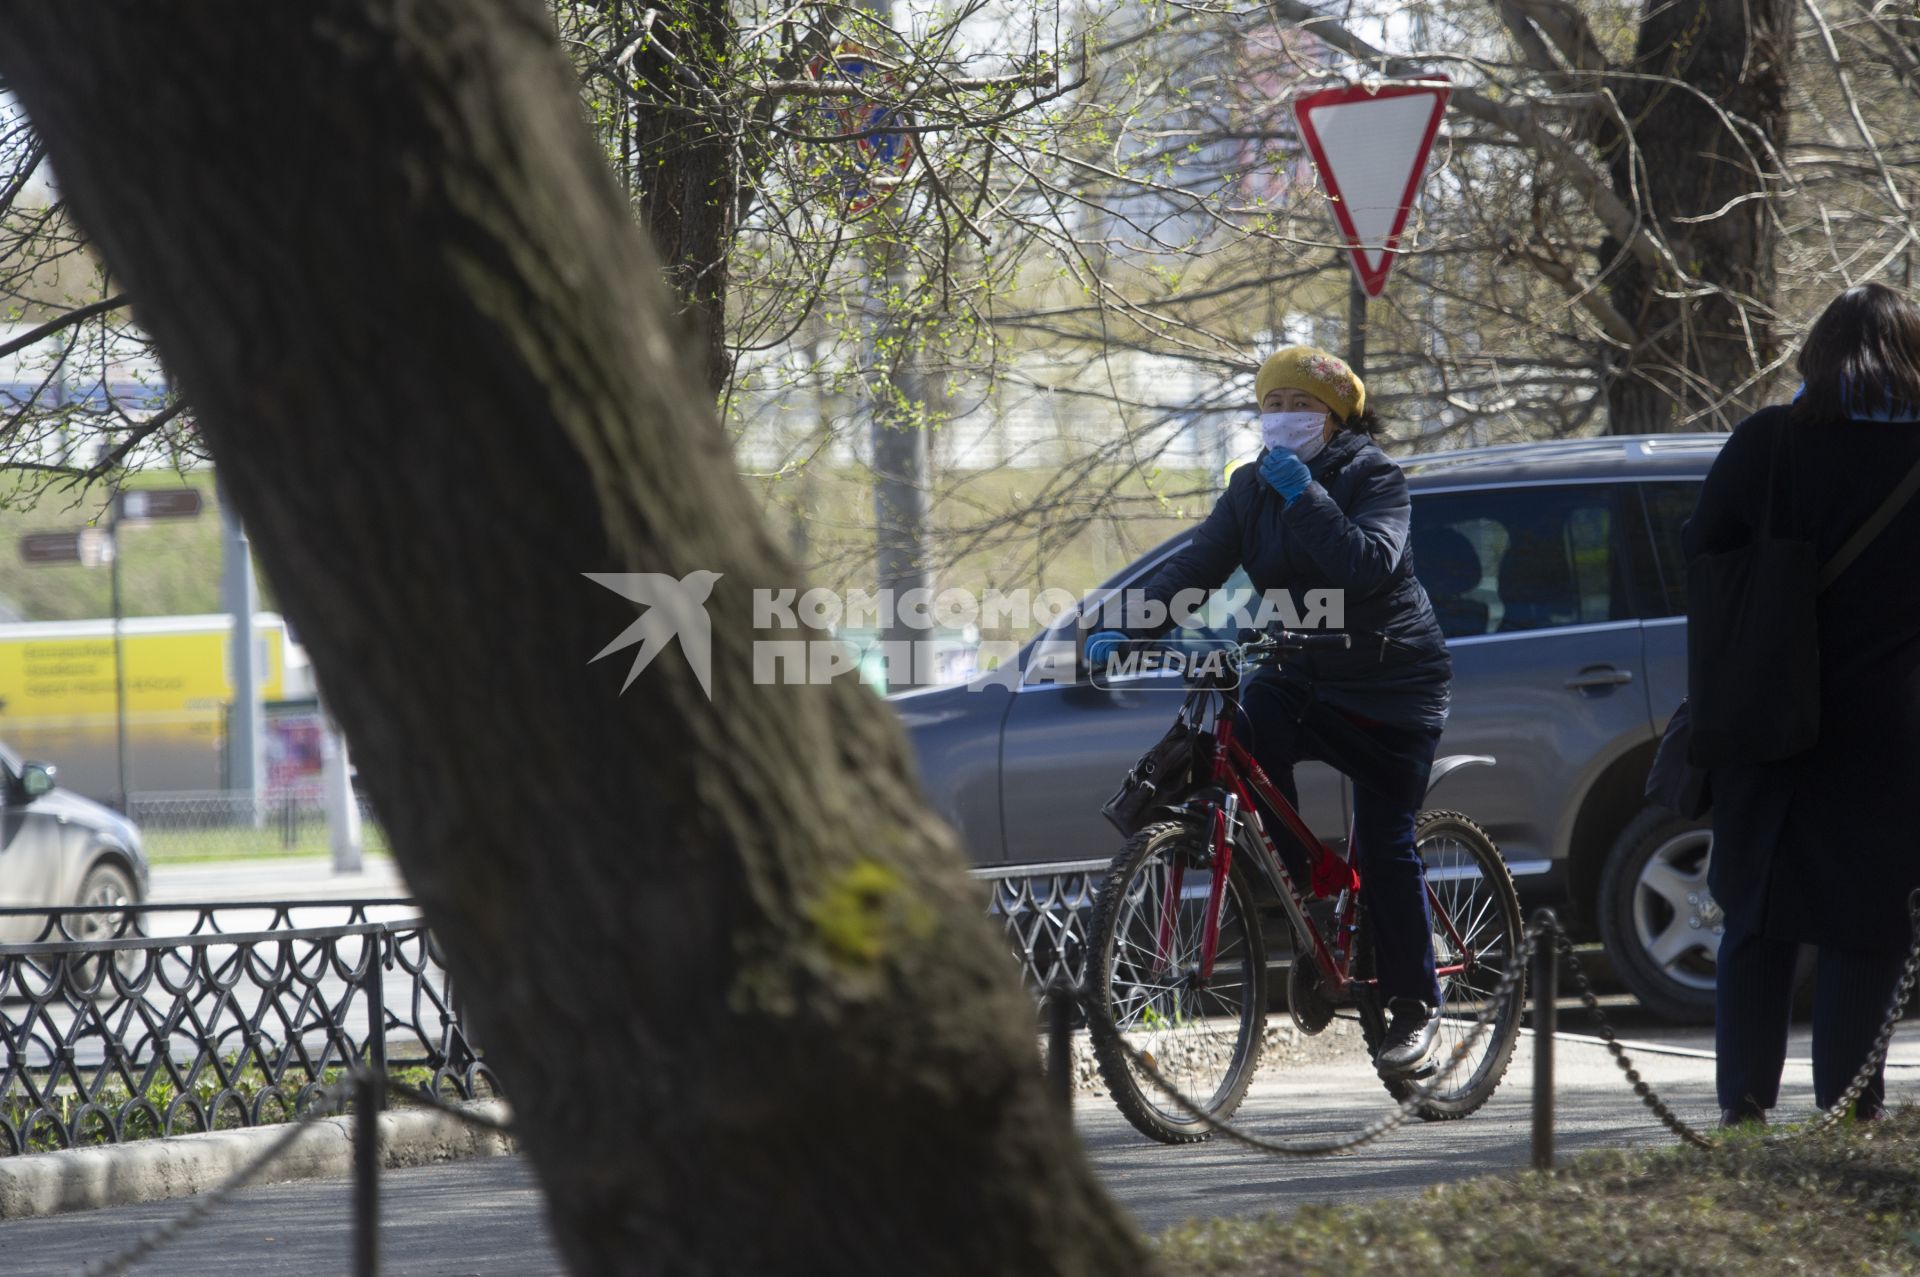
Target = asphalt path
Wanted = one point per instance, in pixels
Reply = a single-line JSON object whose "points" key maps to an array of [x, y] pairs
{"points": [[484, 1217]]}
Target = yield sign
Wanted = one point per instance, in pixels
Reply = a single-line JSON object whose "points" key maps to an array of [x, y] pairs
{"points": [[1371, 148]]}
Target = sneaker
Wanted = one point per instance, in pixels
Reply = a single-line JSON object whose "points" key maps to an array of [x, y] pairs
{"points": [[1410, 1033]]}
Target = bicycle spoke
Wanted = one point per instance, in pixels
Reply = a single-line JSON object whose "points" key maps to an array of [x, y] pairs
{"points": [[1472, 903]]}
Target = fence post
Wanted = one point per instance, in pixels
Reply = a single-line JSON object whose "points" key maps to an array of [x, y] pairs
{"points": [[368, 1089], [377, 1015], [1060, 1045], [1546, 1022]]}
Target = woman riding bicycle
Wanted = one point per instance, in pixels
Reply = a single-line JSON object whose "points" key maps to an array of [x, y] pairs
{"points": [[1325, 509]]}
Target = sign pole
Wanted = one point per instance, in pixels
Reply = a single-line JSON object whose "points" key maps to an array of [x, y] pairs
{"points": [[246, 737], [119, 656], [1356, 327]]}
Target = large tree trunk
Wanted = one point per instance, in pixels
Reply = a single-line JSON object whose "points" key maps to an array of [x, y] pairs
{"points": [[1697, 362], [747, 1008]]}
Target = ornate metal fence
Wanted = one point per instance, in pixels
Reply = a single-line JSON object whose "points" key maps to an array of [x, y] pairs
{"points": [[156, 1020], [168, 1019], [1046, 910]]}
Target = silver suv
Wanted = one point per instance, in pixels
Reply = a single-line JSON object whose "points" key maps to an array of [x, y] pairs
{"points": [[1556, 572]]}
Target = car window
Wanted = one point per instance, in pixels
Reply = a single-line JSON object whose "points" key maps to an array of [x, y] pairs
{"points": [[1219, 620], [1507, 560], [1668, 506]]}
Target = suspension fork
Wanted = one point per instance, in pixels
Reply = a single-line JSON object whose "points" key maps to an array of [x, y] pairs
{"points": [[1226, 822], [1225, 818], [1220, 838], [1169, 915], [1220, 841]]}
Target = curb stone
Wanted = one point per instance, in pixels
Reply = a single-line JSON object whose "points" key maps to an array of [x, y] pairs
{"points": [[154, 1170]]}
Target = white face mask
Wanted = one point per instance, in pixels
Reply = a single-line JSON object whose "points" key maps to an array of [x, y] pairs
{"points": [[1304, 433]]}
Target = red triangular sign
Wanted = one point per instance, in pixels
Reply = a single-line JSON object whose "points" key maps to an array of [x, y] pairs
{"points": [[1371, 148]]}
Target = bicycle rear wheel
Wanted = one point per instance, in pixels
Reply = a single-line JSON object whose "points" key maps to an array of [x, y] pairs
{"points": [[1202, 1036], [1472, 884]]}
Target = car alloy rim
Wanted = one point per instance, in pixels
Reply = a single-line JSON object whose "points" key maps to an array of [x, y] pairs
{"points": [[1675, 918], [105, 895]]}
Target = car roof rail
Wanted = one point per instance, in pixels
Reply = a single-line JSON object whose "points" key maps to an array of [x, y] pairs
{"points": [[1630, 447]]}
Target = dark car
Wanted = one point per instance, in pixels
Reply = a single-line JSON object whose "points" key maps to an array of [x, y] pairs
{"points": [[1556, 572]]}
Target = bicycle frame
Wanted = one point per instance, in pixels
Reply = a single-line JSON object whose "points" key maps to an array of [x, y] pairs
{"points": [[1237, 818]]}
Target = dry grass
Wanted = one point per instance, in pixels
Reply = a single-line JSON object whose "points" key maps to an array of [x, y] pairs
{"points": [[1844, 1202]]}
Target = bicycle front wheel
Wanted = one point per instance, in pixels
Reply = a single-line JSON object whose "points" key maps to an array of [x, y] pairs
{"points": [[1201, 1035], [1483, 943]]}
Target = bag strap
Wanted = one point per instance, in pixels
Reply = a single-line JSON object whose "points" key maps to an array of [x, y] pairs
{"points": [[1876, 524], [1778, 444]]}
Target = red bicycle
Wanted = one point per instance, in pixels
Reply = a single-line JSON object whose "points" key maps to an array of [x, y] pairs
{"points": [[1177, 953]]}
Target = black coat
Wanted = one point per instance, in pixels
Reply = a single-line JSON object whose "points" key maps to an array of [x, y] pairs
{"points": [[1347, 531], [1823, 848]]}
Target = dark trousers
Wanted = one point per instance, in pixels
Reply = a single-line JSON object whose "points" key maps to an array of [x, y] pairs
{"points": [[1753, 1003], [1391, 878]]}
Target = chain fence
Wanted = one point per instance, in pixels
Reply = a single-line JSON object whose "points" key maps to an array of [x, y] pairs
{"points": [[1863, 1077], [1419, 1095], [1545, 938], [363, 1080], [366, 1089]]}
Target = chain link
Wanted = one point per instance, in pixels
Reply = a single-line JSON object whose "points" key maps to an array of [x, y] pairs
{"points": [[1563, 944], [204, 1205], [428, 1100], [331, 1098], [1863, 1078], [324, 1105], [1509, 981], [1870, 1067], [1648, 1096]]}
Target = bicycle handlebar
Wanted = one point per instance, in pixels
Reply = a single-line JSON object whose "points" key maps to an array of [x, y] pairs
{"points": [[1296, 641], [1311, 642]]}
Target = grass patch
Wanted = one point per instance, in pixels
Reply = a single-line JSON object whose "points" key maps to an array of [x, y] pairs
{"points": [[1847, 1201], [185, 846]]}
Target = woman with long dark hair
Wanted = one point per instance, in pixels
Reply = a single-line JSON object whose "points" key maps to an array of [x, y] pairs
{"points": [[1823, 847]]}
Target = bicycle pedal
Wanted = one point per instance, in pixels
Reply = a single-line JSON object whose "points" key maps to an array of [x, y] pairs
{"points": [[1420, 1074]]}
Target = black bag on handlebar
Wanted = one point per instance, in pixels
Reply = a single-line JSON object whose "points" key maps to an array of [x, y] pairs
{"points": [[1164, 775]]}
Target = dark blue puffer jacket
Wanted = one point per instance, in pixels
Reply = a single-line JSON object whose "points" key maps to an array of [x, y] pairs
{"points": [[1347, 531]]}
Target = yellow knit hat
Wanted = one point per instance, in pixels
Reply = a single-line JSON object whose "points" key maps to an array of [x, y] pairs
{"points": [[1325, 377]]}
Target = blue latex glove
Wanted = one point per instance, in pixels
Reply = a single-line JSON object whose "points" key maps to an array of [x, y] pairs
{"points": [[1101, 644], [1284, 472]]}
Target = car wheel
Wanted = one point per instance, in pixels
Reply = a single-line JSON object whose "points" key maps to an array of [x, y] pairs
{"points": [[109, 888], [1658, 921]]}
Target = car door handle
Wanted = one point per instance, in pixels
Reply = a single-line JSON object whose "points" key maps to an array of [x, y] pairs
{"points": [[1599, 676]]}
